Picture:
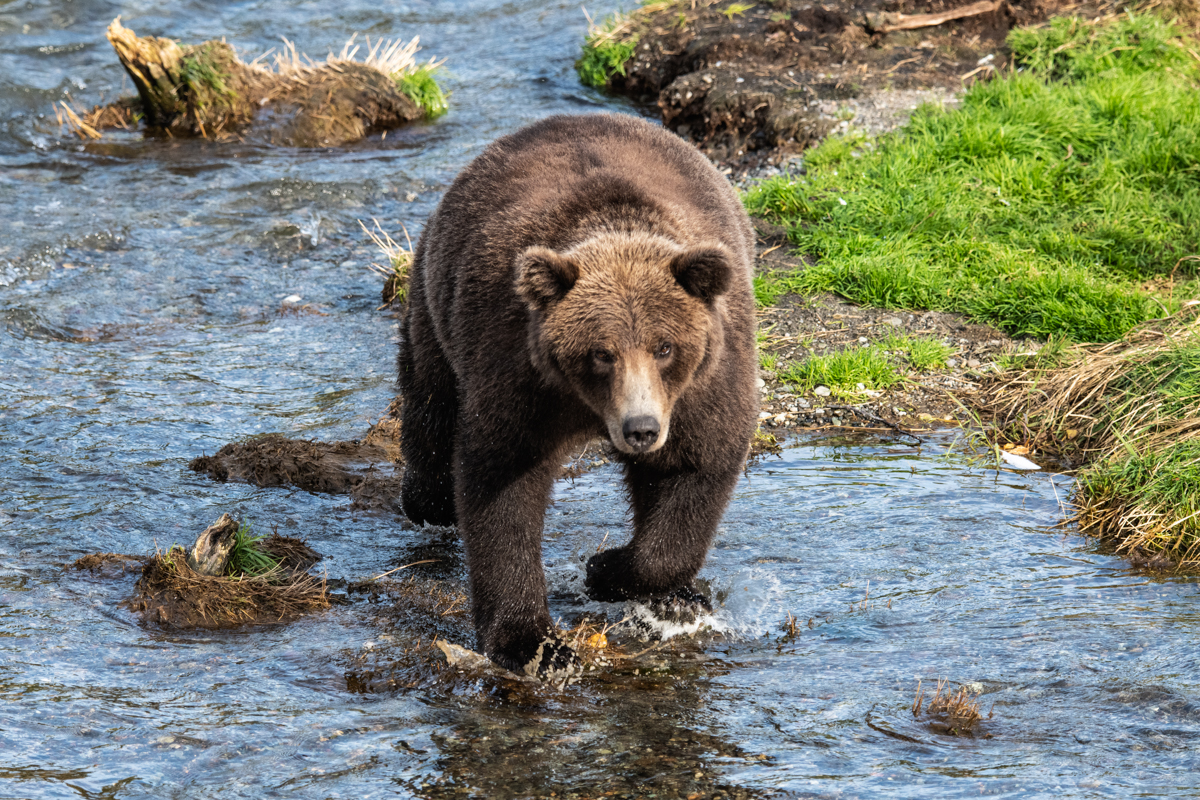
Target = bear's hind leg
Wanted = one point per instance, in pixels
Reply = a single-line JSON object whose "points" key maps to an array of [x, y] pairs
{"points": [[428, 418]]}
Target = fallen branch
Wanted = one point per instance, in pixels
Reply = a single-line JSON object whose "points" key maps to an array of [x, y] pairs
{"points": [[888, 22]]}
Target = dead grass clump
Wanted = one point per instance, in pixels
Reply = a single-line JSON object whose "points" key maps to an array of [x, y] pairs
{"points": [[1128, 414], [399, 260], [954, 713], [172, 594]]}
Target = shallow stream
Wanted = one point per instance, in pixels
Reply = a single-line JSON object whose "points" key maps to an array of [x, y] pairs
{"points": [[142, 292]]}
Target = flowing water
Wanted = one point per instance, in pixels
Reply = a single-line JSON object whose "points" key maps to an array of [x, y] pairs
{"points": [[142, 289]]}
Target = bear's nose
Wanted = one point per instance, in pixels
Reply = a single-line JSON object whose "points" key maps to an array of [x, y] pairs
{"points": [[640, 432]]}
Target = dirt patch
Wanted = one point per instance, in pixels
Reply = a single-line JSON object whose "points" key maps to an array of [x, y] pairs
{"points": [[754, 85], [171, 594]]}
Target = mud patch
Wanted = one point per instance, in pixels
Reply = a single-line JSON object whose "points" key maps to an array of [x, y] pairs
{"points": [[108, 565], [754, 84], [365, 470]]}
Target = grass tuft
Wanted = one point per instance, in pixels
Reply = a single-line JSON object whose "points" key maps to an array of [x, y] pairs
{"points": [[843, 371], [421, 87], [1129, 413], [247, 558], [602, 59], [399, 261]]}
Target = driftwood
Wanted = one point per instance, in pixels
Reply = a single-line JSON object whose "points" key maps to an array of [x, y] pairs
{"points": [[206, 90], [210, 553], [888, 22]]}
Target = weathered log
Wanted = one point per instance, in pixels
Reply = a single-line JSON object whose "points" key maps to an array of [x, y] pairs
{"points": [[888, 22], [210, 554]]}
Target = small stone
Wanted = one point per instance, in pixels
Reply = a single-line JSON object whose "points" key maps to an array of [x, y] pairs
{"points": [[820, 412], [764, 414], [860, 387], [973, 363], [760, 383], [952, 363], [822, 391], [292, 298], [862, 340], [895, 322]]}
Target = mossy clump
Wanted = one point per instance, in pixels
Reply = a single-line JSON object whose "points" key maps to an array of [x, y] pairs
{"points": [[206, 90], [1052, 203], [173, 594]]}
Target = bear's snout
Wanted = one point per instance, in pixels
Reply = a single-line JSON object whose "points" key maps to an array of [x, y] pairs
{"points": [[640, 432]]}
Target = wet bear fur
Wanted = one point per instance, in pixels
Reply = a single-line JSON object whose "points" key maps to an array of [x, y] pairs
{"points": [[584, 277]]}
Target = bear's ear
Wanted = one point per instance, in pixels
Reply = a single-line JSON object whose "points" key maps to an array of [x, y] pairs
{"points": [[703, 272], [544, 276]]}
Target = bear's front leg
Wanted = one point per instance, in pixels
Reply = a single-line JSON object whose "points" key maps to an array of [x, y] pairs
{"points": [[675, 516], [503, 489]]}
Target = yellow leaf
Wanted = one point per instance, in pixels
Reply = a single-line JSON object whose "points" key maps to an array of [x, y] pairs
{"points": [[597, 640]]}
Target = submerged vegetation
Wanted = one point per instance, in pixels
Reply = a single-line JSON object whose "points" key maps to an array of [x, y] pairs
{"points": [[1043, 207]]}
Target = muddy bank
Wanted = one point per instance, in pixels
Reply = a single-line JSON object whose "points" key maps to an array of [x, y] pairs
{"points": [[753, 83], [206, 90]]}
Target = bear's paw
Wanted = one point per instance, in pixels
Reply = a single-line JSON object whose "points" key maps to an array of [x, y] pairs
{"points": [[554, 662], [682, 606]]}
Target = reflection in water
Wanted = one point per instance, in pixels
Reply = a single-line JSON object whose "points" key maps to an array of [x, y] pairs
{"points": [[142, 293]]}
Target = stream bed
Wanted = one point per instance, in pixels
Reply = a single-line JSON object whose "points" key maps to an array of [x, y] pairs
{"points": [[160, 298]]}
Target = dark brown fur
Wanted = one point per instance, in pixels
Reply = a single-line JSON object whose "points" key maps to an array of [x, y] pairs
{"points": [[581, 273]]}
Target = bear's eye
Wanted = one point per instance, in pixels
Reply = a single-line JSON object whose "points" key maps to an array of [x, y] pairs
{"points": [[602, 356], [664, 350]]}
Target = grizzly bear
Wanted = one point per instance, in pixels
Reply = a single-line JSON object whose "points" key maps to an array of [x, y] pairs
{"points": [[584, 277]]}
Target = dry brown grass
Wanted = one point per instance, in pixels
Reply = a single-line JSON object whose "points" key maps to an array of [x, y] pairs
{"points": [[956, 713], [399, 260], [1127, 414], [171, 593]]}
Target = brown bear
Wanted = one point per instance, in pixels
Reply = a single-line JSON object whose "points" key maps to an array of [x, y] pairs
{"points": [[584, 277]]}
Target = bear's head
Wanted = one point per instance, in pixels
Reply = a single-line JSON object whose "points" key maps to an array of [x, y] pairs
{"points": [[626, 321]]}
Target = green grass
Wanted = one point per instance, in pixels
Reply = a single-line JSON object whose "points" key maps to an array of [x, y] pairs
{"points": [[843, 371], [737, 9], [247, 558], [422, 89], [1158, 489], [921, 352], [603, 59], [1041, 206]]}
